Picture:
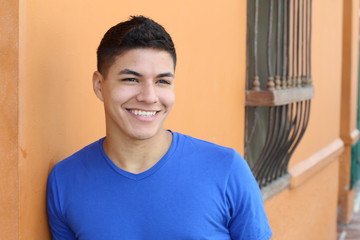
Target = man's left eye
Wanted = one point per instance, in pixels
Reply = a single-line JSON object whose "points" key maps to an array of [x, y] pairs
{"points": [[164, 82]]}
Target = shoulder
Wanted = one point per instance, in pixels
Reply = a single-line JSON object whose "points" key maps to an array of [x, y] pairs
{"points": [[80, 159], [210, 153], [203, 145]]}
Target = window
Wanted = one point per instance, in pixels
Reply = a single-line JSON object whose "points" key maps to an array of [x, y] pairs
{"points": [[279, 84]]}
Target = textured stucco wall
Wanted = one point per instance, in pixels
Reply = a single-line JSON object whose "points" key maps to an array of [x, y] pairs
{"points": [[9, 185]]}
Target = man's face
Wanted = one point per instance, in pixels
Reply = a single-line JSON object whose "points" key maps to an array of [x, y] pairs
{"points": [[138, 93]]}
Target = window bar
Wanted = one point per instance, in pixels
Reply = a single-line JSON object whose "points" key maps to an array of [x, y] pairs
{"points": [[249, 137], [270, 81], [265, 172], [309, 42], [298, 79], [276, 136], [278, 47], [306, 77], [248, 51], [293, 78], [261, 162], [295, 125], [285, 46], [289, 80], [303, 60], [282, 149], [256, 79], [305, 121], [284, 146], [247, 84], [289, 126], [277, 151], [296, 115], [296, 42]]}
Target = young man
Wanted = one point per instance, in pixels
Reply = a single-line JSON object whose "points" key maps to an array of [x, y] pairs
{"points": [[142, 181]]}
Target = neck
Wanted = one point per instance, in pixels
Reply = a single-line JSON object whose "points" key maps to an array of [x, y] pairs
{"points": [[137, 156]]}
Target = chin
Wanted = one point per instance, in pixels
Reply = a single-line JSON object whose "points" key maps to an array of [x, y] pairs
{"points": [[145, 135]]}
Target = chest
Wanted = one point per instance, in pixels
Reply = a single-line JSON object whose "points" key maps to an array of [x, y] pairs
{"points": [[169, 208]]}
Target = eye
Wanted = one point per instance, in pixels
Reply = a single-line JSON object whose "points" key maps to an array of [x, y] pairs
{"points": [[129, 80], [162, 81]]}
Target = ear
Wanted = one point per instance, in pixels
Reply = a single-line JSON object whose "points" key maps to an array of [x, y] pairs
{"points": [[97, 84]]}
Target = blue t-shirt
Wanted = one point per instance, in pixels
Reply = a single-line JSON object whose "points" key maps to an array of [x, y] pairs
{"points": [[198, 190]]}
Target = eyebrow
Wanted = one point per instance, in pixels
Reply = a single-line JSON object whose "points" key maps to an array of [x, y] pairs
{"points": [[168, 74], [131, 72]]}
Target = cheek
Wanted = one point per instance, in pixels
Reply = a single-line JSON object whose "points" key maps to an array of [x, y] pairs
{"points": [[167, 97], [121, 95]]}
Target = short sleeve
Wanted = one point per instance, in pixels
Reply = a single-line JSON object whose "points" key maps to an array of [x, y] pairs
{"points": [[59, 229], [248, 217]]}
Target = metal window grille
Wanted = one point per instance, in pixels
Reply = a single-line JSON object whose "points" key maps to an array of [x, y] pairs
{"points": [[279, 84]]}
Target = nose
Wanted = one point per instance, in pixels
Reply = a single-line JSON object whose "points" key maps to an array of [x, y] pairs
{"points": [[147, 93]]}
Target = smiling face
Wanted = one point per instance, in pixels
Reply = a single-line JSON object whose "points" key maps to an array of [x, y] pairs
{"points": [[138, 93]]}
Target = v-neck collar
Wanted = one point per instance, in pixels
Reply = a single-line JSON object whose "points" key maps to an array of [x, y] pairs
{"points": [[150, 171]]}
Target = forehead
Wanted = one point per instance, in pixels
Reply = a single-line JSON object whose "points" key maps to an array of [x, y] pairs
{"points": [[144, 59]]}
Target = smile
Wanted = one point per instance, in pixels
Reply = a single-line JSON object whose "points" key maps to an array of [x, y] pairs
{"points": [[143, 113]]}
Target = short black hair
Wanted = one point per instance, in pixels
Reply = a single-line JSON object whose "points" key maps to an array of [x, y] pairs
{"points": [[137, 32]]}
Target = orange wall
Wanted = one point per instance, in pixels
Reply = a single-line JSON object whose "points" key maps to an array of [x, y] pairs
{"points": [[59, 112], [307, 212], [9, 189]]}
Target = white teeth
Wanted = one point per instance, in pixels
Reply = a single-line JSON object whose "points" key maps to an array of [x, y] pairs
{"points": [[143, 113]]}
